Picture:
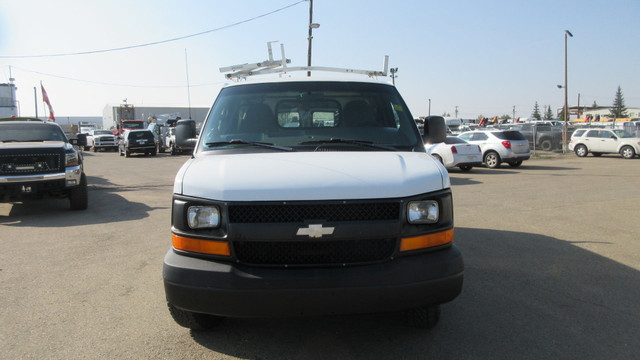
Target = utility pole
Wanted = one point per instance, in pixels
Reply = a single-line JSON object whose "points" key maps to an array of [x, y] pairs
{"points": [[456, 111], [312, 26], [513, 119]]}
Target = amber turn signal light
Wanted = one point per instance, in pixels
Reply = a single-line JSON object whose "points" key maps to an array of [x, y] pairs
{"points": [[210, 247], [426, 241]]}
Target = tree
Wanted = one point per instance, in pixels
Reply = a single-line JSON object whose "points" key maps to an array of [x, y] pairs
{"points": [[536, 112], [618, 110], [548, 114], [446, 114], [504, 118]]}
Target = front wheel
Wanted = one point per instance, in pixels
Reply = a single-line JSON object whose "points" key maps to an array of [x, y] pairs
{"points": [[424, 317], [627, 152], [79, 197], [492, 159], [546, 145], [193, 321], [581, 150]]}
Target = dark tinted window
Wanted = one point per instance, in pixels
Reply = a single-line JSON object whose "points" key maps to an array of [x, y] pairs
{"points": [[509, 135], [454, 140], [134, 135]]}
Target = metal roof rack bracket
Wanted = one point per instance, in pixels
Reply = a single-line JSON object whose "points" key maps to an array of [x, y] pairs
{"points": [[271, 66]]}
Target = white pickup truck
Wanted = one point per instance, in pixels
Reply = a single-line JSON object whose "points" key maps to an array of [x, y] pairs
{"points": [[311, 196]]}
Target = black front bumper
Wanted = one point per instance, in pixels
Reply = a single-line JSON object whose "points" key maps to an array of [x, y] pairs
{"points": [[235, 290]]}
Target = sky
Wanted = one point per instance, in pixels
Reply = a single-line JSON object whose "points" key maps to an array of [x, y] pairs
{"points": [[483, 58]]}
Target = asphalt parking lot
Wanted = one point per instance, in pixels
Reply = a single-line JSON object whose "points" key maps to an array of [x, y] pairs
{"points": [[552, 256]]}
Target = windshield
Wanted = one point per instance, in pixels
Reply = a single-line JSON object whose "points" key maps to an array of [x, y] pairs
{"points": [[310, 116], [30, 132]]}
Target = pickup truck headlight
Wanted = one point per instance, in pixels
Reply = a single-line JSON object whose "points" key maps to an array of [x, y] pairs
{"points": [[202, 217], [71, 158], [423, 212]]}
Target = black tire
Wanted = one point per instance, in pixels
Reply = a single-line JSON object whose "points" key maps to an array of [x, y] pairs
{"points": [[492, 159], [581, 150], [153, 152], [95, 149], [515, 163], [596, 154], [466, 168], [546, 145], [127, 153], [86, 148], [173, 150], [79, 196], [194, 321], [627, 152], [423, 318]]}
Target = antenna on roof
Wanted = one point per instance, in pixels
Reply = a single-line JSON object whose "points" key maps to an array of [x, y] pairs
{"points": [[271, 66]]}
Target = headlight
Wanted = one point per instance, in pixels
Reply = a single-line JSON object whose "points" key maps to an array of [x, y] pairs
{"points": [[201, 217], [71, 158], [423, 212]]}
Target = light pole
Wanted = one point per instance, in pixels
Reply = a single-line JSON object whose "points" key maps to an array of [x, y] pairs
{"points": [[393, 75], [312, 26], [566, 106], [429, 107]]}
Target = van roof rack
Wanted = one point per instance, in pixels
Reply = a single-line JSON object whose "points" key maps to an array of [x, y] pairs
{"points": [[271, 66]]}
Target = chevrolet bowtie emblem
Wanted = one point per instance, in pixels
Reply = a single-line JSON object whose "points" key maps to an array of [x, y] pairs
{"points": [[315, 231]]}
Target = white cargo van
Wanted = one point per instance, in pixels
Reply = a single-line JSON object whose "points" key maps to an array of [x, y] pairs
{"points": [[311, 196]]}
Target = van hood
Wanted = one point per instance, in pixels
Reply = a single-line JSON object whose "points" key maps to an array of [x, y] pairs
{"points": [[310, 176]]}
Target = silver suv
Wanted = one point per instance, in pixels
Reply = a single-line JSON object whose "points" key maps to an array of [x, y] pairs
{"points": [[604, 141], [499, 146]]}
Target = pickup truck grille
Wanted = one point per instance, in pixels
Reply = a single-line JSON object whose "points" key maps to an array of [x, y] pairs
{"points": [[298, 213], [296, 253], [30, 162]]}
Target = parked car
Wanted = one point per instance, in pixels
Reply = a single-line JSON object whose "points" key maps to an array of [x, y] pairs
{"points": [[455, 152], [137, 141], [101, 139], [38, 161], [604, 141], [499, 146]]}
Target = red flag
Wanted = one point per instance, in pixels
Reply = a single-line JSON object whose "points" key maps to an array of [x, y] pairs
{"points": [[45, 98]]}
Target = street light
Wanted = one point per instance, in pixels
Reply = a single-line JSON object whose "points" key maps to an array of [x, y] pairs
{"points": [[566, 107], [393, 75]]}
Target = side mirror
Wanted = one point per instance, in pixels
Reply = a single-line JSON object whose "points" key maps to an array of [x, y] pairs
{"points": [[435, 130], [82, 140]]}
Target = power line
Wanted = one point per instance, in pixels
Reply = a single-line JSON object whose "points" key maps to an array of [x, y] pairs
{"points": [[152, 43], [114, 84]]}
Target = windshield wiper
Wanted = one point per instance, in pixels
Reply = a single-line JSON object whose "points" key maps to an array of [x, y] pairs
{"points": [[369, 144], [251, 143]]}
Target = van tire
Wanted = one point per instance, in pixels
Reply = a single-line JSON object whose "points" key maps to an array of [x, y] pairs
{"points": [[194, 321], [424, 317]]}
